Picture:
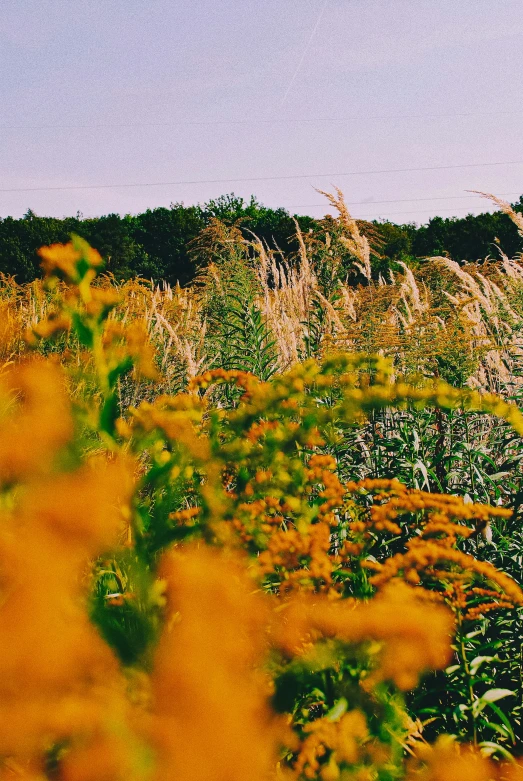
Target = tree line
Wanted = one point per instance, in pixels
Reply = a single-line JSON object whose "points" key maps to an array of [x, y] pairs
{"points": [[161, 244]]}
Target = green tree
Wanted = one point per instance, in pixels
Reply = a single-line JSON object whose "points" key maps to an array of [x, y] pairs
{"points": [[165, 235]]}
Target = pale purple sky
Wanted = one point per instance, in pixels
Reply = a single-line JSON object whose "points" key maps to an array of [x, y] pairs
{"points": [[104, 92]]}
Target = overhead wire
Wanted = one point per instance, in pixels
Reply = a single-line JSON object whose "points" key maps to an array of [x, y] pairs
{"points": [[410, 211], [257, 178], [403, 200]]}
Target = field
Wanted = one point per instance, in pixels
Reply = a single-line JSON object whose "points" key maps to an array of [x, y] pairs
{"points": [[267, 525]]}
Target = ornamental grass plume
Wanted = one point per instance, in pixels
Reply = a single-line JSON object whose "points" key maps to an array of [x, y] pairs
{"points": [[415, 316], [506, 208], [356, 243]]}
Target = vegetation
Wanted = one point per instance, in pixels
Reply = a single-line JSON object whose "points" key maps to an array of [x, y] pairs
{"points": [[157, 244], [266, 525]]}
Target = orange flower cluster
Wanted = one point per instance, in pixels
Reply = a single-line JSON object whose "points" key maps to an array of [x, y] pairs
{"points": [[174, 418], [211, 718], [310, 541], [295, 537], [184, 516], [431, 558], [347, 740], [322, 470], [59, 682], [129, 343], [242, 379], [447, 760], [66, 259], [313, 539], [397, 618], [434, 514], [300, 559], [35, 419]]}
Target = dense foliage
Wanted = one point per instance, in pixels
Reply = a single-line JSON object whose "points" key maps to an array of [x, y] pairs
{"points": [[267, 526], [158, 243]]}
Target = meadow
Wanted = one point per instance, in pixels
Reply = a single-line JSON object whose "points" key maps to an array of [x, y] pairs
{"points": [[267, 525]]}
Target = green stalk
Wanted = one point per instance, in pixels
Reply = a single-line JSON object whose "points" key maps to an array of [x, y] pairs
{"points": [[468, 676], [469, 457]]}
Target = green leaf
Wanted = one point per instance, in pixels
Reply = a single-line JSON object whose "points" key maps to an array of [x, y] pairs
{"points": [[479, 660], [504, 720], [83, 332], [337, 711], [489, 748], [503, 731], [490, 696], [123, 367], [474, 633], [493, 695], [109, 414]]}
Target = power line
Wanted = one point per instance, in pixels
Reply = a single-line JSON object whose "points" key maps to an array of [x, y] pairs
{"points": [[412, 211], [258, 178], [260, 121], [399, 200]]}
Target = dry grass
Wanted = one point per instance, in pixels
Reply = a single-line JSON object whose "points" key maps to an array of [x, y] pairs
{"points": [[442, 316]]}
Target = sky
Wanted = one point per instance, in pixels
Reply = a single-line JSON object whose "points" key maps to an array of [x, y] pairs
{"points": [[191, 99]]}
